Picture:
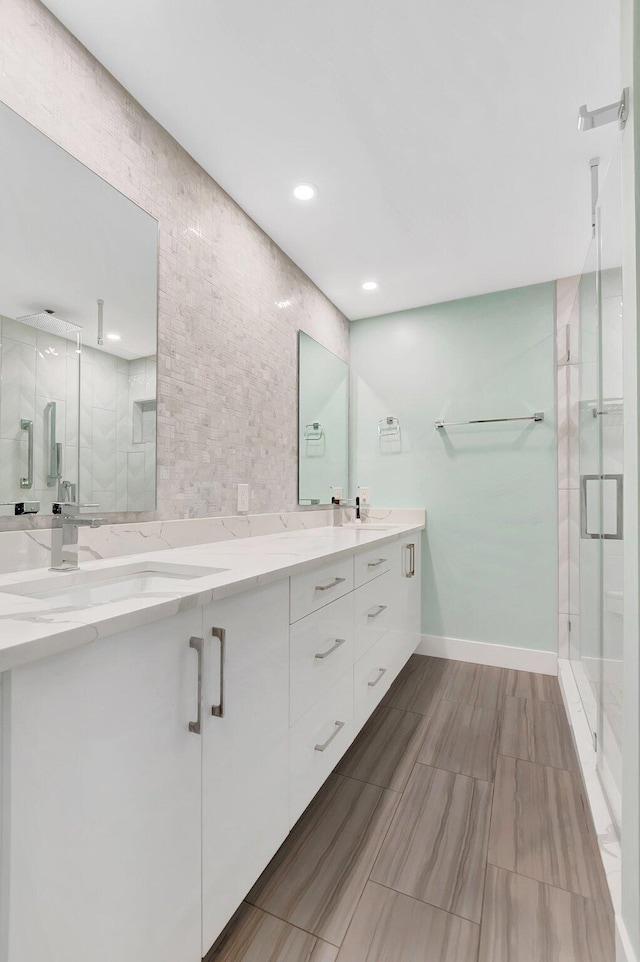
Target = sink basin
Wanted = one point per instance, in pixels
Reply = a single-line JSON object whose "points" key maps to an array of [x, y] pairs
{"points": [[370, 527], [83, 589]]}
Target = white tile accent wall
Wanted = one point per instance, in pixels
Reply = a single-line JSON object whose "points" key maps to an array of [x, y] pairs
{"points": [[227, 370]]}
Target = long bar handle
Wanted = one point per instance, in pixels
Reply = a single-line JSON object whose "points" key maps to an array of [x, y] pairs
{"points": [[27, 425], [412, 560], [380, 609], [198, 645], [332, 584], [382, 672], [55, 448], [221, 635], [325, 654], [376, 564], [339, 726]]}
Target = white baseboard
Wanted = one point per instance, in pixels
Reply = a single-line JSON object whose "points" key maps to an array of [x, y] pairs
{"points": [[484, 653]]}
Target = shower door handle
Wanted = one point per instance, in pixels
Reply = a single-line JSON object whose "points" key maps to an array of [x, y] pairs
{"points": [[27, 425], [591, 487]]}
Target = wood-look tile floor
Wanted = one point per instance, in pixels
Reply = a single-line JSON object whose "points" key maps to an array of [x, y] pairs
{"points": [[455, 829]]}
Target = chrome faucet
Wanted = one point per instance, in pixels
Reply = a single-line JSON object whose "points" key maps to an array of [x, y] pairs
{"points": [[64, 534], [338, 504]]}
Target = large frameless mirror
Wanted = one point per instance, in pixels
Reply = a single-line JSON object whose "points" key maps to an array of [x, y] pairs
{"points": [[78, 333], [323, 422]]}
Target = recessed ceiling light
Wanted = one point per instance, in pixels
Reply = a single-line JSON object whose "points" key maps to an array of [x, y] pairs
{"points": [[370, 286], [305, 192], [113, 337]]}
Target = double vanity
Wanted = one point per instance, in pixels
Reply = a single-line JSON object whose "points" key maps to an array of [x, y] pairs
{"points": [[166, 719]]}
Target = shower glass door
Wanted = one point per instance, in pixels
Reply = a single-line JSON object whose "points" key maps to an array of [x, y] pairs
{"points": [[596, 648]]}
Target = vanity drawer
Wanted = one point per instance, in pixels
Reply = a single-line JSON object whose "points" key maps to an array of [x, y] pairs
{"points": [[375, 611], [374, 673], [321, 650], [369, 564], [318, 741], [319, 587]]}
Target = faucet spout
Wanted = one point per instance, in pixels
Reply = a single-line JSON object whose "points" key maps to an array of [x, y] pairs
{"points": [[64, 535]]}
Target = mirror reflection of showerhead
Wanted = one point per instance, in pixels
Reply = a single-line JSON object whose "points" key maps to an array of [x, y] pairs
{"points": [[47, 321]]}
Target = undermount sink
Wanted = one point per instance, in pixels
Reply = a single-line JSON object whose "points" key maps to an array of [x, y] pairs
{"points": [[86, 588], [365, 526]]}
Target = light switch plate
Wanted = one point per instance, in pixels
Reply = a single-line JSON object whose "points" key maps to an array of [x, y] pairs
{"points": [[337, 493], [363, 494], [243, 497]]}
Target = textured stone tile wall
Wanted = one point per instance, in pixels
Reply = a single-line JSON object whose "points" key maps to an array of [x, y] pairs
{"points": [[227, 353]]}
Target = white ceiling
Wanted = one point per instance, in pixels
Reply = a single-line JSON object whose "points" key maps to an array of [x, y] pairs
{"points": [[68, 238], [441, 133]]}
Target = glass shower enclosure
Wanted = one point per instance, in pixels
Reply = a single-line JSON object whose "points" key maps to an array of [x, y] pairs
{"points": [[597, 460]]}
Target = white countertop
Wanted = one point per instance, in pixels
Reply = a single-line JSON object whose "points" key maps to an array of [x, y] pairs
{"points": [[31, 628]]}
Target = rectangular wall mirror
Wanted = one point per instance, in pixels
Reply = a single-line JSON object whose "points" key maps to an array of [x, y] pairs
{"points": [[78, 333], [323, 422]]}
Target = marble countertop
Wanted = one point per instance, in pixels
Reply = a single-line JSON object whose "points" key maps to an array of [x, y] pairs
{"points": [[32, 628]]}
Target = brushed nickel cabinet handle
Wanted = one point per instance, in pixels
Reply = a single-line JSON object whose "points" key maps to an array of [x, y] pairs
{"points": [[378, 611], [332, 584], [372, 684], [375, 564], [325, 654], [321, 748], [221, 635], [198, 645], [412, 560]]}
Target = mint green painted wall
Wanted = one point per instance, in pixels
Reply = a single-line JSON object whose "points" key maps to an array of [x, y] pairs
{"points": [[490, 491]]}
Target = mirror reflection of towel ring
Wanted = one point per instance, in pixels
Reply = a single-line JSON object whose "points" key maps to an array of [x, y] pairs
{"points": [[388, 427]]}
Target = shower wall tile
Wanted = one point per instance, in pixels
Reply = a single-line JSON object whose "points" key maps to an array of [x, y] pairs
{"points": [[574, 551], [563, 550], [18, 378], [18, 332], [103, 460], [225, 342], [105, 370], [51, 366], [13, 466]]}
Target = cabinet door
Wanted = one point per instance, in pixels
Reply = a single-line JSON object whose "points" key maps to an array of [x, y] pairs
{"points": [[411, 587], [245, 752], [104, 794]]}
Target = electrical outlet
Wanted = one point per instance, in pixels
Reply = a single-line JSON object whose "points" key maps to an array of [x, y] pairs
{"points": [[243, 497], [337, 493], [364, 495]]}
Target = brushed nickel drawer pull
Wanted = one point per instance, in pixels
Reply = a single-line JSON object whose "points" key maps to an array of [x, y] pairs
{"points": [[372, 684], [198, 645], [221, 635], [380, 609], [320, 748], [412, 560], [375, 564], [332, 584], [330, 651]]}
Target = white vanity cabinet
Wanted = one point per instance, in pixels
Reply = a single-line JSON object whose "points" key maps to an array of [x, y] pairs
{"points": [[149, 777], [102, 801], [245, 746]]}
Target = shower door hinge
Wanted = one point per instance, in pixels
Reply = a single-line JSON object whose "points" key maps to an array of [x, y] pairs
{"points": [[595, 741], [569, 626]]}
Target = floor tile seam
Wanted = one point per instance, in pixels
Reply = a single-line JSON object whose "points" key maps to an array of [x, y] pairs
{"points": [[529, 761], [365, 781], [580, 895], [415, 898], [293, 925], [487, 781], [466, 704]]}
